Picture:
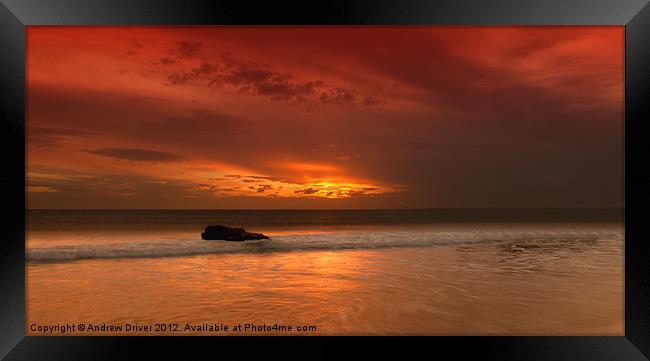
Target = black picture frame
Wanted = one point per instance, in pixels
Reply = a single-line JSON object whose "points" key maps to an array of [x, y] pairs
{"points": [[633, 14]]}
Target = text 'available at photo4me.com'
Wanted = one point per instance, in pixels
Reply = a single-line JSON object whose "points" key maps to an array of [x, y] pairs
{"points": [[169, 328]]}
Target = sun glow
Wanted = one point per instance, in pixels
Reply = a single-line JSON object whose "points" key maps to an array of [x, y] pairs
{"points": [[266, 186]]}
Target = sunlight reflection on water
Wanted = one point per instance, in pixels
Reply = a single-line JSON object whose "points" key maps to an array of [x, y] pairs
{"points": [[546, 286]]}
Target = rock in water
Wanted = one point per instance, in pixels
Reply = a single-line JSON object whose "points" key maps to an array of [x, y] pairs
{"points": [[224, 233]]}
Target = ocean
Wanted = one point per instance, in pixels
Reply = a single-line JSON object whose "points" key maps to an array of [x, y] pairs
{"points": [[438, 272]]}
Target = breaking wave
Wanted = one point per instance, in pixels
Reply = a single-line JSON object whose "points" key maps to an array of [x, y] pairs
{"points": [[319, 241]]}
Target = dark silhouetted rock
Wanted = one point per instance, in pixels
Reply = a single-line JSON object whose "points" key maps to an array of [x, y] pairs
{"points": [[224, 233]]}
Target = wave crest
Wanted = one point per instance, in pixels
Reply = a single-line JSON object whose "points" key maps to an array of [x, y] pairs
{"points": [[320, 241]]}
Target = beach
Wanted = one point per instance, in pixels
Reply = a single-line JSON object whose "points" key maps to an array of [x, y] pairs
{"points": [[351, 274]]}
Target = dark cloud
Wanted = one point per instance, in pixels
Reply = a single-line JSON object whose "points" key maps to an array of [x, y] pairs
{"points": [[248, 79], [338, 96], [307, 191], [136, 155], [165, 61], [263, 187], [134, 48], [258, 179], [178, 78], [279, 179], [253, 78], [204, 69], [186, 49]]}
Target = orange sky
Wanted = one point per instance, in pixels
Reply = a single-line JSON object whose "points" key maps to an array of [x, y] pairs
{"points": [[324, 117]]}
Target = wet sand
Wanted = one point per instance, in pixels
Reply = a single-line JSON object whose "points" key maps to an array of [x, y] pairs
{"points": [[543, 287]]}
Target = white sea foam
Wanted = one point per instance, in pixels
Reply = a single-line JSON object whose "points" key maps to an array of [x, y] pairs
{"points": [[319, 241]]}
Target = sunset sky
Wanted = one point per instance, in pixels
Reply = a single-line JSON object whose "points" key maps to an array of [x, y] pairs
{"points": [[324, 117]]}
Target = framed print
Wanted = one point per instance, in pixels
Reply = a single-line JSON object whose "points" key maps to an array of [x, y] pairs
{"points": [[472, 172]]}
